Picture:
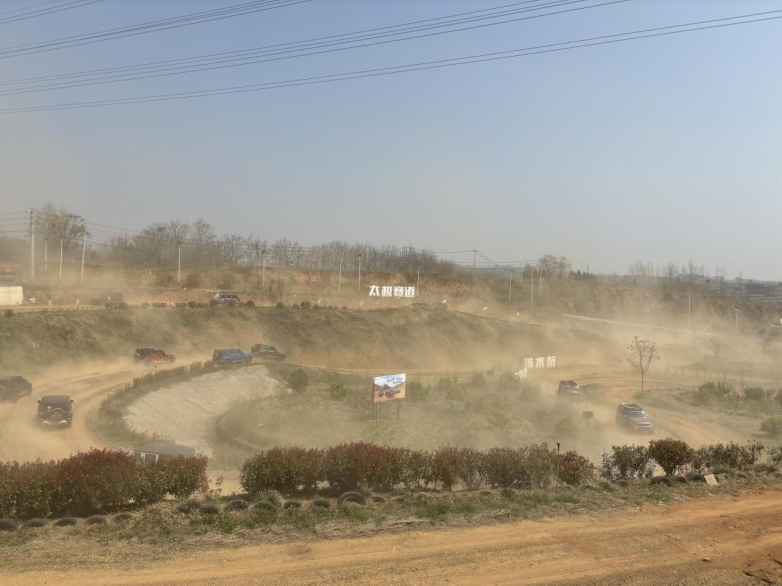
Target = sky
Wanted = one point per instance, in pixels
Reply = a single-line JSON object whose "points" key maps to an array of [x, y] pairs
{"points": [[664, 149]]}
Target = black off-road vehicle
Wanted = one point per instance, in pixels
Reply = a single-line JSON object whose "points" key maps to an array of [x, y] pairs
{"points": [[55, 411], [13, 388], [267, 351]]}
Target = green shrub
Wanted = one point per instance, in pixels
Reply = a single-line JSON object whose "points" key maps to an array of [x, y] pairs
{"points": [[280, 305], [772, 426], [299, 380], [670, 454], [306, 304], [337, 391], [477, 381], [499, 419], [416, 391], [754, 394], [508, 382], [712, 390], [163, 277]]}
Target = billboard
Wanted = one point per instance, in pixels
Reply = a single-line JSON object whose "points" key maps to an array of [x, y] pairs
{"points": [[388, 388]]}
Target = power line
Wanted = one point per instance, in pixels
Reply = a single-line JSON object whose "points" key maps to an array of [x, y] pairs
{"points": [[23, 8], [421, 66], [246, 57], [147, 27], [46, 11]]}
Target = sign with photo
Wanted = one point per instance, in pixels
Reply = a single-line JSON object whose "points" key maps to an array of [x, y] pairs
{"points": [[388, 388]]}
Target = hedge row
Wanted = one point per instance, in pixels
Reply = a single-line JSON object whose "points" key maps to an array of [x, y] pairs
{"points": [[94, 482], [157, 375], [675, 456], [354, 465]]}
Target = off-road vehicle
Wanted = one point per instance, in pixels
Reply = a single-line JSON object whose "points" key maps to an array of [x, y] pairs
{"points": [[231, 356], [55, 411], [151, 453], [152, 355], [227, 298], [13, 388], [267, 351], [632, 417], [569, 390]]}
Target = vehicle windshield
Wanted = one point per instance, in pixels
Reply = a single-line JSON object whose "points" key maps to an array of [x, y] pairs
{"points": [[636, 414]]}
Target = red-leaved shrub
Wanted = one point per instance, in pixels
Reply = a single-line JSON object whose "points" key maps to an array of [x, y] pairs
{"points": [[670, 454], [575, 469]]}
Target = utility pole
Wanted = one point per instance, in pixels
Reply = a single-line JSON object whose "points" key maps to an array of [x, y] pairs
{"points": [[62, 243], [648, 298], [359, 272], [737, 321], [46, 257], [83, 253], [417, 279], [474, 252], [510, 283], [263, 268], [32, 247], [178, 262], [532, 288], [339, 279], [689, 309]]}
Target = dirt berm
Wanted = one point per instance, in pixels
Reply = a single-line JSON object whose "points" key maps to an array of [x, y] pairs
{"points": [[410, 337], [186, 411]]}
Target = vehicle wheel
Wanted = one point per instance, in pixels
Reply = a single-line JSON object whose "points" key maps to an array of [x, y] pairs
{"points": [[291, 504], [661, 480], [681, 479], [66, 522], [96, 520], [621, 482], [122, 517], [248, 360], [351, 497], [264, 506], [8, 525], [235, 505], [183, 508], [696, 477], [399, 499], [378, 499], [322, 503], [399, 492], [208, 509], [171, 359], [484, 493], [35, 523]]}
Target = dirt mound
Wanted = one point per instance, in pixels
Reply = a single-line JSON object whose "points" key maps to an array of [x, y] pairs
{"points": [[185, 412]]}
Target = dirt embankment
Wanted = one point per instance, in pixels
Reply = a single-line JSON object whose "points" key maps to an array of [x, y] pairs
{"points": [[185, 412], [409, 337]]}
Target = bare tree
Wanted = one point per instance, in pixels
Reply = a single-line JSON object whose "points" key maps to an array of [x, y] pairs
{"points": [[640, 355], [716, 345]]}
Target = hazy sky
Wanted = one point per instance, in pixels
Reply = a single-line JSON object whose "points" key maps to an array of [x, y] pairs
{"points": [[658, 150]]}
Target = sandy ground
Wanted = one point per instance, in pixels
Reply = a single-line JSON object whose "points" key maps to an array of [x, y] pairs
{"points": [[22, 439], [186, 411], [736, 541]]}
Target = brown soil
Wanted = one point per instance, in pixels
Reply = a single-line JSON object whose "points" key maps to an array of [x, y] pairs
{"points": [[736, 541]]}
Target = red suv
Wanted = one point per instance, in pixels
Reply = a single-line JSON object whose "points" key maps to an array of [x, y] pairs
{"points": [[151, 355]]}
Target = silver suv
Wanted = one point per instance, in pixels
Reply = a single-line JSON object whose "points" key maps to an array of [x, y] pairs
{"points": [[632, 417]]}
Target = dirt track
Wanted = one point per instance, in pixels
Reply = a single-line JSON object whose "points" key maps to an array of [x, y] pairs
{"points": [[22, 439], [733, 542]]}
